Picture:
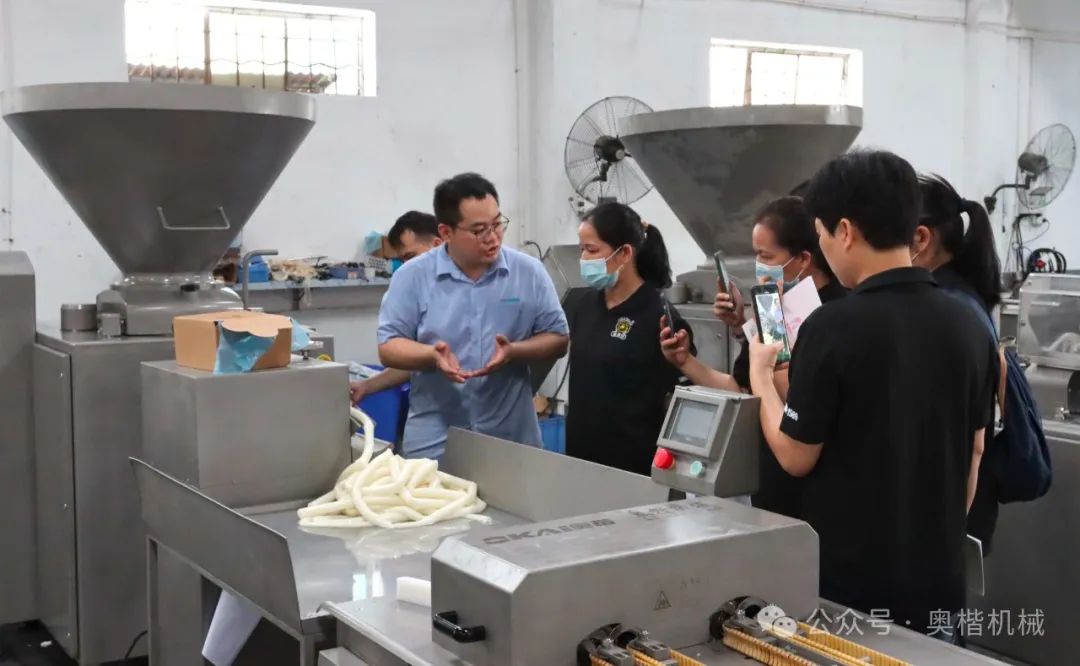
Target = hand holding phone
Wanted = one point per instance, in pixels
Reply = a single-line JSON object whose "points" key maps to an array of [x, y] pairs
{"points": [[769, 315]]}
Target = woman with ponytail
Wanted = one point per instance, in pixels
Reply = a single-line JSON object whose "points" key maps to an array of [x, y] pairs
{"points": [[786, 249], [619, 380], [954, 240]]}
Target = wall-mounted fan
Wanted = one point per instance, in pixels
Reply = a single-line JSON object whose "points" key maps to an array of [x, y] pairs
{"points": [[597, 163], [1042, 170]]}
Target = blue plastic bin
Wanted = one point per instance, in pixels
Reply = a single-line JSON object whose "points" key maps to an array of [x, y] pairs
{"points": [[389, 409], [258, 271], [553, 433]]}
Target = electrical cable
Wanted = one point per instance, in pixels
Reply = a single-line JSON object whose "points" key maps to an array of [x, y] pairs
{"points": [[131, 649]]}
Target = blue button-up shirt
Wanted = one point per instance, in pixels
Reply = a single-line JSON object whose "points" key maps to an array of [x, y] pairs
{"points": [[431, 300]]}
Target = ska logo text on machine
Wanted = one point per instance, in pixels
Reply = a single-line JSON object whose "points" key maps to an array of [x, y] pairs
{"points": [[547, 531]]}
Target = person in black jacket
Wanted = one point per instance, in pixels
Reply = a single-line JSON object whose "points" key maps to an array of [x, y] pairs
{"points": [[954, 240], [619, 380]]}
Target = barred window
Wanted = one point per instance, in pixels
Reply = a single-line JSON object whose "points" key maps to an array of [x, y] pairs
{"points": [[252, 44], [743, 73]]}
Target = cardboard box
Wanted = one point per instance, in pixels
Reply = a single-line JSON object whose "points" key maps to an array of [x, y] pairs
{"points": [[196, 337]]}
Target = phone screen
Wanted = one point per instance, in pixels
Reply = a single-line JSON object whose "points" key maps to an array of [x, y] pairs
{"points": [[771, 321]]}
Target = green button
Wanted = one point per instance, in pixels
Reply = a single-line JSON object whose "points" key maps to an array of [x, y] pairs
{"points": [[697, 469]]}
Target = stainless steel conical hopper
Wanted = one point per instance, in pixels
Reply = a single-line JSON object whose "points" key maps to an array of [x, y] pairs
{"points": [[164, 176], [716, 167]]}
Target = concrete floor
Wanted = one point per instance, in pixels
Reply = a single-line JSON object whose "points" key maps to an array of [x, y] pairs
{"points": [[29, 644]]}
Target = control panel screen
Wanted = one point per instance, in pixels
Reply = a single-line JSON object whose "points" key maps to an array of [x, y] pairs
{"points": [[691, 423]]}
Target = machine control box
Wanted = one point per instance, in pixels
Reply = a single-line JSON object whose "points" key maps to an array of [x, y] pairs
{"points": [[709, 443]]}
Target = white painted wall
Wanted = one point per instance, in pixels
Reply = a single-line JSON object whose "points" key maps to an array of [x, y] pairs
{"points": [[953, 98], [445, 104], [915, 88], [1055, 98]]}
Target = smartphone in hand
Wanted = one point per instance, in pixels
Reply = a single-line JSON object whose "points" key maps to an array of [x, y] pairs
{"points": [[770, 317], [721, 270], [669, 316]]}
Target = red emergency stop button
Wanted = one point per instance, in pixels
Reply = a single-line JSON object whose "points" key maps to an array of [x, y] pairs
{"points": [[663, 459]]}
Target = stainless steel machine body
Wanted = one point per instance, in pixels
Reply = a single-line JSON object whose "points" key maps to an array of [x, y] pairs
{"points": [[407, 649], [164, 177], [17, 558], [1032, 566], [89, 542], [289, 573], [221, 433], [1048, 335], [527, 594], [538, 589], [244, 440], [534, 590], [716, 167]]}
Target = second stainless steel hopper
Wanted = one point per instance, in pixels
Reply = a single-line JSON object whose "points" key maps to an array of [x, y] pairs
{"points": [[716, 167]]}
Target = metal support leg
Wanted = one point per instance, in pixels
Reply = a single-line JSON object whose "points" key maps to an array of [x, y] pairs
{"points": [[176, 610], [153, 636]]}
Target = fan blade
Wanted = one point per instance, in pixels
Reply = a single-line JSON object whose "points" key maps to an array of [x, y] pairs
{"points": [[577, 150], [585, 130], [637, 186], [613, 123], [599, 131], [579, 162], [582, 172], [598, 114], [582, 177]]}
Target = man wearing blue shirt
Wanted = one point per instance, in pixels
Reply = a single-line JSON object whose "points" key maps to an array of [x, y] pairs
{"points": [[467, 318]]}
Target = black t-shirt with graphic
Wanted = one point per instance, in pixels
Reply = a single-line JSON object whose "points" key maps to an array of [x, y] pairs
{"points": [[619, 380]]}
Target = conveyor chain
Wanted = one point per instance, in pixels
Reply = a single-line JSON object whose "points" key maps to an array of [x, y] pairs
{"points": [[737, 627]]}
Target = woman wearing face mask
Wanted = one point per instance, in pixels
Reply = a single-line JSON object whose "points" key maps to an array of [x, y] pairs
{"points": [[954, 240], [786, 248], [619, 380]]}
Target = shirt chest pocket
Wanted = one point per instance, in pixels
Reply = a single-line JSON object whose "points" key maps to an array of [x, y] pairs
{"points": [[510, 318]]}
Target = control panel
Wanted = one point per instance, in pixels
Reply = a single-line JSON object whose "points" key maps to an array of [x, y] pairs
{"points": [[709, 443]]}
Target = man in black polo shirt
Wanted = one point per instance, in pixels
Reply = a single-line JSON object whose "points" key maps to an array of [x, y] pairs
{"points": [[889, 392]]}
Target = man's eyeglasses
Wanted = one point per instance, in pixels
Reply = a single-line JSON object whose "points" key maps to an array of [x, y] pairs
{"points": [[497, 227]]}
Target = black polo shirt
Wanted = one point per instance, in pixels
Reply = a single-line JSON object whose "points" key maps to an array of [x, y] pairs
{"points": [[893, 380], [619, 380]]}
